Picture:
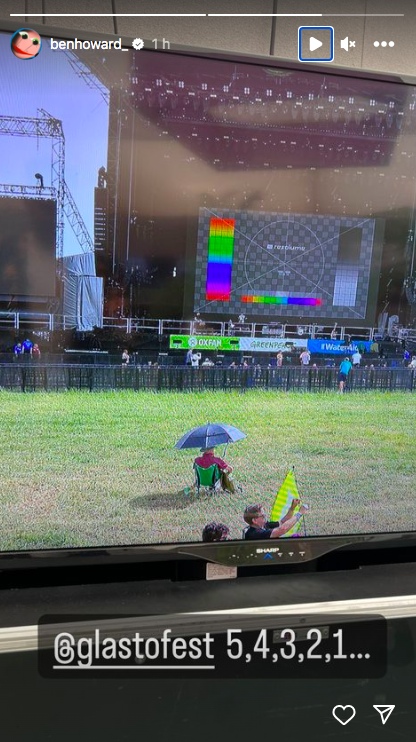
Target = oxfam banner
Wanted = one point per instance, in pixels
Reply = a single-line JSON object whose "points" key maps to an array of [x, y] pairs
{"points": [[253, 345], [204, 342]]}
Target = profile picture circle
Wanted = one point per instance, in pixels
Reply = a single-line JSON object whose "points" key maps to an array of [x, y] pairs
{"points": [[26, 43]]}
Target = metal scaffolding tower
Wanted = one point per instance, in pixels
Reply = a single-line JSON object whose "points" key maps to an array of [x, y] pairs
{"points": [[84, 72], [21, 191], [76, 221], [46, 126]]}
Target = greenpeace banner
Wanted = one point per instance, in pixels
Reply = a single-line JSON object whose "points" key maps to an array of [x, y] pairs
{"points": [[339, 347], [269, 345], [254, 345]]}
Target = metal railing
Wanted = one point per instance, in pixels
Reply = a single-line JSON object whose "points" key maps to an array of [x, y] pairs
{"points": [[21, 321], [42, 377], [79, 357]]}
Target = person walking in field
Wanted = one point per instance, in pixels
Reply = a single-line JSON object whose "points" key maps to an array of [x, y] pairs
{"points": [[344, 370], [305, 358], [195, 359], [36, 352], [27, 347]]}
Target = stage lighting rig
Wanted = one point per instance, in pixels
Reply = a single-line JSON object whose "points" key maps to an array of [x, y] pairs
{"points": [[39, 178]]}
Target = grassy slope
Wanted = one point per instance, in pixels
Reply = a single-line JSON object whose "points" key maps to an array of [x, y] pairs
{"points": [[80, 469]]}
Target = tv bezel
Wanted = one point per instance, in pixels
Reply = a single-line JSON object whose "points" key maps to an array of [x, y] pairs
{"points": [[221, 552]]}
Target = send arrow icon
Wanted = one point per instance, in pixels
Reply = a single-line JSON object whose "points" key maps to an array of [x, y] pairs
{"points": [[385, 712], [314, 43]]}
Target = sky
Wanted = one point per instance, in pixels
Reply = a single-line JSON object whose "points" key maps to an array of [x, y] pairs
{"points": [[48, 81]]}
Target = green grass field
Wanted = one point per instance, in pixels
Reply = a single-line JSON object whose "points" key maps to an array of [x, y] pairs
{"points": [[80, 469]]}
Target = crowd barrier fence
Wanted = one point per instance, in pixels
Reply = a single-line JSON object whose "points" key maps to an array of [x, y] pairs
{"points": [[47, 377]]}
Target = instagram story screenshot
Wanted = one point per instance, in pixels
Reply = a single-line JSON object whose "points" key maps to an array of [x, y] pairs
{"points": [[207, 370]]}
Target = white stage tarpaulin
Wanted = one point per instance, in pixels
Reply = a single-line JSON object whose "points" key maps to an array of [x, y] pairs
{"points": [[83, 293]]}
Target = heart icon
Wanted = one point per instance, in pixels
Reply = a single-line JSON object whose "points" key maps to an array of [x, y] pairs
{"points": [[346, 717]]}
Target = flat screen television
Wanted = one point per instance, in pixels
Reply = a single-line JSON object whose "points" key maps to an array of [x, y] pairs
{"points": [[231, 241]]}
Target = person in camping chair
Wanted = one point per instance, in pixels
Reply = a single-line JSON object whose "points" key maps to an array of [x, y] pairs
{"points": [[208, 460]]}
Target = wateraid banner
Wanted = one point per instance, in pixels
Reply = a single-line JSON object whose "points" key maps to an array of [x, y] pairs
{"points": [[253, 345], [339, 347]]}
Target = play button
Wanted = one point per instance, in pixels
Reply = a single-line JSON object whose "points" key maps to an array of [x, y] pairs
{"points": [[314, 44]]}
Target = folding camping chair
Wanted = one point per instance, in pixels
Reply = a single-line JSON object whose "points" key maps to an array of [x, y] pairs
{"points": [[207, 479]]}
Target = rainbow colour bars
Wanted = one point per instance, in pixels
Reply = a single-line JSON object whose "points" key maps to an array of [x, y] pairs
{"points": [[302, 301], [220, 259]]}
